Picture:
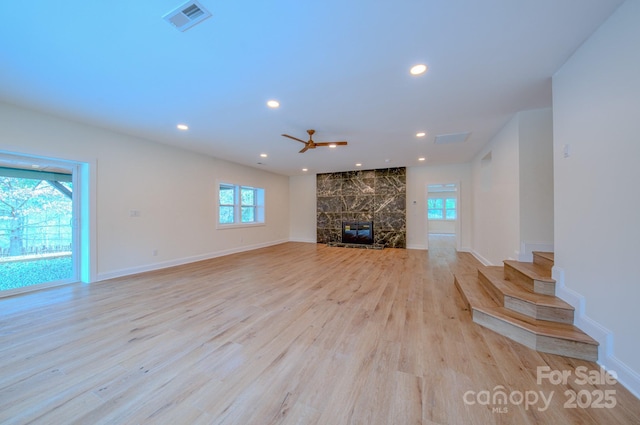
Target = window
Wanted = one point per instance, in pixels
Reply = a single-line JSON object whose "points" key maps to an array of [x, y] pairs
{"points": [[39, 210], [240, 205], [441, 208], [227, 204]]}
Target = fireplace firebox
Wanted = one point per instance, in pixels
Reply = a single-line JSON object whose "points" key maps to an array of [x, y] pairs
{"points": [[357, 232]]}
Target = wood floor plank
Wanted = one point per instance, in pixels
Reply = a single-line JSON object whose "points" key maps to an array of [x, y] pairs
{"points": [[296, 333]]}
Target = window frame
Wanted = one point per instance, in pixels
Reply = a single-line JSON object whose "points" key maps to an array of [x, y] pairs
{"points": [[444, 208], [238, 205], [83, 215]]}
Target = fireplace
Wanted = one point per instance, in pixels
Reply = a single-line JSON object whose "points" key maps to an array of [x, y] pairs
{"points": [[358, 232]]}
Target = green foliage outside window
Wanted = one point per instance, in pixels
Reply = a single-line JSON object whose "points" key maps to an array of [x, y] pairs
{"points": [[226, 210], [36, 235], [240, 204], [441, 209]]}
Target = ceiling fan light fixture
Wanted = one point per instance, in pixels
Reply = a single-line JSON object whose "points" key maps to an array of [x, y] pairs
{"points": [[310, 144]]}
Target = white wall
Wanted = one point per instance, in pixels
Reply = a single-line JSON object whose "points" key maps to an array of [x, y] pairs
{"points": [[596, 98], [442, 227], [536, 176], [174, 190], [418, 178], [513, 189], [496, 203], [302, 208]]}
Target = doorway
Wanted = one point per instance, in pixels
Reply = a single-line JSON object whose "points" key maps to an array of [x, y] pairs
{"points": [[39, 223], [443, 223]]}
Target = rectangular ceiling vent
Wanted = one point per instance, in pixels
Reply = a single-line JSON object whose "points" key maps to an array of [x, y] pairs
{"points": [[443, 139], [187, 15]]}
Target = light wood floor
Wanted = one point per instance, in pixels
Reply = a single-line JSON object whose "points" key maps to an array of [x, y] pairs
{"points": [[291, 334]]}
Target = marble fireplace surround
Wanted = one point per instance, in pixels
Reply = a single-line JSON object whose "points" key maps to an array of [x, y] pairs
{"points": [[364, 195]]}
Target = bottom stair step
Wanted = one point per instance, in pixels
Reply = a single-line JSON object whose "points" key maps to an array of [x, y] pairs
{"points": [[554, 338], [548, 337]]}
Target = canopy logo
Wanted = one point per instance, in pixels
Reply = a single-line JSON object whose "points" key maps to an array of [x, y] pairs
{"points": [[500, 400]]}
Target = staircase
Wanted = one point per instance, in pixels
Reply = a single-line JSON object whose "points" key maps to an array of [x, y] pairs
{"points": [[519, 302]]}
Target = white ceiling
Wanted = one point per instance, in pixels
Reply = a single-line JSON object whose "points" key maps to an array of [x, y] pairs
{"points": [[340, 67]]}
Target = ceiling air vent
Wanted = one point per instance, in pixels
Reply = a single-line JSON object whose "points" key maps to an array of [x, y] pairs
{"points": [[187, 15], [442, 139]]}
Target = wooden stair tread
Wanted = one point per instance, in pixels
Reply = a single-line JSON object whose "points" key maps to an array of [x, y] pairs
{"points": [[547, 255], [539, 327], [472, 291], [496, 276], [532, 270]]}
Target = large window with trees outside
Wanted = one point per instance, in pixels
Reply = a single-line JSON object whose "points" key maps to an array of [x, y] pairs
{"points": [[36, 226], [240, 205]]}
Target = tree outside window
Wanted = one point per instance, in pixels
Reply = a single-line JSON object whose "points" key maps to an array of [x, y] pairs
{"points": [[441, 209], [240, 205], [227, 202]]}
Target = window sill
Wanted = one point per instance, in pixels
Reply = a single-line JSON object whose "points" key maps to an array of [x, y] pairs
{"points": [[238, 225]]}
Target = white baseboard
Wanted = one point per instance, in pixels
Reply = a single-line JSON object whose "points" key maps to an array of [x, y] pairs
{"points": [[417, 246], [303, 240], [181, 261], [606, 357], [527, 248], [480, 258]]}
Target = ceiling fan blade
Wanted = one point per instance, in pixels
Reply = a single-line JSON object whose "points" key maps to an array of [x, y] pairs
{"points": [[330, 143], [294, 138], [304, 149]]}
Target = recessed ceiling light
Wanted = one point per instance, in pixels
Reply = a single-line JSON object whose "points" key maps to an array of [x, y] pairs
{"points": [[421, 134], [263, 155], [182, 127], [273, 104], [422, 158], [305, 169], [358, 165], [418, 69]]}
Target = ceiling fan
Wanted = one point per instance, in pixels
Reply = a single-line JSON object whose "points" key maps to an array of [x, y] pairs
{"points": [[310, 144]]}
